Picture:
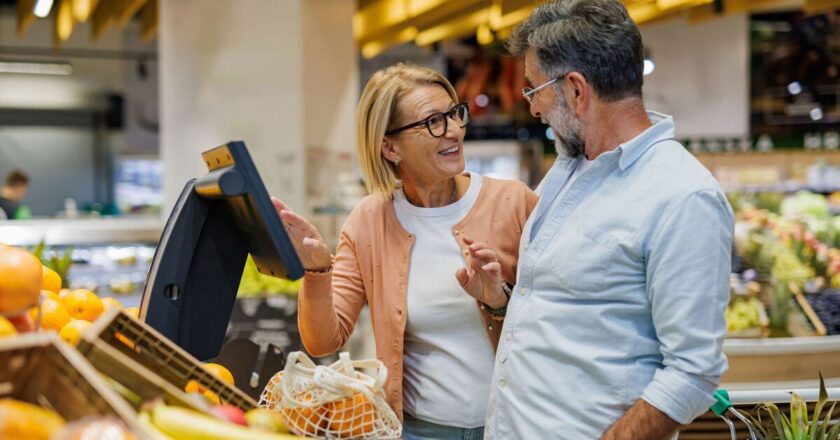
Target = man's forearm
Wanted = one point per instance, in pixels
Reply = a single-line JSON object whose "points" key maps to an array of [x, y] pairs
{"points": [[641, 422]]}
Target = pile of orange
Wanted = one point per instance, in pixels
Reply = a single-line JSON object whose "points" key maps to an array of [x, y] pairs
{"points": [[24, 282], [352, 417], [217, 370]]}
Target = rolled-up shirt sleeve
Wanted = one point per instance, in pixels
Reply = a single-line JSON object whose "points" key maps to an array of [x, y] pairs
{"points": [[689, 258]]}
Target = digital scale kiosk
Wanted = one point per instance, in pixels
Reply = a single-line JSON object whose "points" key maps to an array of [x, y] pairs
{"points": [[218, 220]]}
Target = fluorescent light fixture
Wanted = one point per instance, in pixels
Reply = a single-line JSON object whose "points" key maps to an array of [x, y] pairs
{"points": [[42, 8], [794, 88], [648, 68], [36, 67], [816, 114]]}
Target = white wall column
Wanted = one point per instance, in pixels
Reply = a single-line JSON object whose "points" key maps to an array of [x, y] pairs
{"points": [[232, 70]]}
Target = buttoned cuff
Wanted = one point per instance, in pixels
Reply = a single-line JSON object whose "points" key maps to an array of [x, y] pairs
{"points": [[679, 395]]}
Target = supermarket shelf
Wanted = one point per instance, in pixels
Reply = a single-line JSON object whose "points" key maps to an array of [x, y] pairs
{"points": [[801, 345], [779, 395], [83, 231], [779, 360]]}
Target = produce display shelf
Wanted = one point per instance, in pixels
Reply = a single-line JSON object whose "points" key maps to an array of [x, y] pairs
{"points": [[781, 359], [41, 369], [138, 357]]}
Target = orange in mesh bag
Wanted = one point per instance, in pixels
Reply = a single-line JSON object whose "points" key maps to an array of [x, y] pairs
{"points": [[334, 401]]}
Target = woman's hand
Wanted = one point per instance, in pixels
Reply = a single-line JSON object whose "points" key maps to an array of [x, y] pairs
{"points": [[482, 278], [310, 246]]}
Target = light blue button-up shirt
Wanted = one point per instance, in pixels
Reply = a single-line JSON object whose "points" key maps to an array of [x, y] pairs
{"points": [[620, 295]]}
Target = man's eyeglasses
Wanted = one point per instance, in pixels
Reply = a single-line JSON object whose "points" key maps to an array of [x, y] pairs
{"points": [[529, 92], [438, 123]]}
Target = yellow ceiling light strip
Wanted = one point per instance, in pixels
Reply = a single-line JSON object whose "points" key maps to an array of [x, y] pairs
{"points": [[103, 17], [149, 21], [25, 16], [418, 7], [127, 10], [374, 48], [82, 9], [820, 6], [484, 35], [643, 12], [378, 17], [452, 29], [64, 22]]}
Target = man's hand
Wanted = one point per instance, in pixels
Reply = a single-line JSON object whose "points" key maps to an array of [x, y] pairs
{"points": [[482, 278], [642, 422]]}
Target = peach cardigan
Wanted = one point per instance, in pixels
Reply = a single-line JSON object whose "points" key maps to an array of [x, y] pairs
{"points": [[371, 266]]}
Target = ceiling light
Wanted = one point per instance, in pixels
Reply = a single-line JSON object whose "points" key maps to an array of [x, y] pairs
{"points": [[42, 8], [648, 68], [36, 68]]}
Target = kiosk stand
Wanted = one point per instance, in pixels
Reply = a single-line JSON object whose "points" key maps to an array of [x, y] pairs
{"points": [[217, 221]]}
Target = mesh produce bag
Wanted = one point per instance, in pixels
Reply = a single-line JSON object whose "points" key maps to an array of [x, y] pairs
{"points": [[334, 401]]}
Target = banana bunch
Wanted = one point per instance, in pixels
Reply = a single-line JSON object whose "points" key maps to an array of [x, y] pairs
{"points": [[176, 423]]}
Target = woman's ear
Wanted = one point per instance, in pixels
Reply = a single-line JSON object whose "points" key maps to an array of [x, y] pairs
{"points": [[390, 151]]}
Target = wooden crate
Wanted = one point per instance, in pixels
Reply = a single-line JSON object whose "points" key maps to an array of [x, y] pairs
{"points": [[150, 365], [43, 370]]}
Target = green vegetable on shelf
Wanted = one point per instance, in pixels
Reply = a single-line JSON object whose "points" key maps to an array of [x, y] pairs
{"points": [[254, 283]]}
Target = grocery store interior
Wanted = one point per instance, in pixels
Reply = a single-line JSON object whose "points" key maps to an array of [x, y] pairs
{"points": [[107, 106]]}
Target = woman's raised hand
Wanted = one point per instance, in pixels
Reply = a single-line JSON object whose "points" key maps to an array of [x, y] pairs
{"points": [[310, 246], [482, 277]]}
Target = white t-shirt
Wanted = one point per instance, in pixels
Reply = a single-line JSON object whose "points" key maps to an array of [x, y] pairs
{"points": [[448, 359]]}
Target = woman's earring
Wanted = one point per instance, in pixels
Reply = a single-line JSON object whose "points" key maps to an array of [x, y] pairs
{"points": [[397, 163]]}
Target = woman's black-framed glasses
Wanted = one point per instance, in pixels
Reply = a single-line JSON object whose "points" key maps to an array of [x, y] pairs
{"points": [[438, 123]]}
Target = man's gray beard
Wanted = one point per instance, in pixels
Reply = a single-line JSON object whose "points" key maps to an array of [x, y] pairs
{"points": [[570, 143], [571, 146]]}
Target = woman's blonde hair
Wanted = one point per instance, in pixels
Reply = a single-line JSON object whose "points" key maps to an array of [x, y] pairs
{"points": [[378, 112]]}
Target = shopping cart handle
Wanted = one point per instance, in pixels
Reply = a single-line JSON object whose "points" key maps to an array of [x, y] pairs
{"points": [[723, 403]]}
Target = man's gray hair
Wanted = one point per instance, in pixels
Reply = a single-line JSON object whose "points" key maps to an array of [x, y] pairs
{"points": [[596, 38]]}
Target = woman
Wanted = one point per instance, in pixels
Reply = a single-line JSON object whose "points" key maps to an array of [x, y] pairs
{"points": [[399, 250]]}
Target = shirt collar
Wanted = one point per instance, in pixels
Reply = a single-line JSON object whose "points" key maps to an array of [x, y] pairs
{"points": [[632, 150]]}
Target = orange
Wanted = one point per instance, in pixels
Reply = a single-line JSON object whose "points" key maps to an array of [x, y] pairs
{"points": [[63, 293], [83, 304], [220, 371], [53, 315], [50, 280], [352, 417], [215, 369], [304, 420], [107, 303], [212, 397], [51, 295], [20, 280], [6, 328], [133, 311], [269, 394], [72, 332]]}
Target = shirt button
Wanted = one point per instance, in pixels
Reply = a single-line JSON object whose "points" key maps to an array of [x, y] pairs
{"points": [[502, 383], [507, 337], [523, 291]]}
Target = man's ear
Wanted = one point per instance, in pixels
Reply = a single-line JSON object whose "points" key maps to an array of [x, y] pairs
{"points": [[578, 94], [390, 151]]}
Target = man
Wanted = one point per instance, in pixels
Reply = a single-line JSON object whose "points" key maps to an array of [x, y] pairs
{"points": [[615, 327], [11, 195]]}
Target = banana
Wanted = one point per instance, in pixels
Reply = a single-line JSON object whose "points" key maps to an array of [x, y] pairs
{"points": [[185, 424]]}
